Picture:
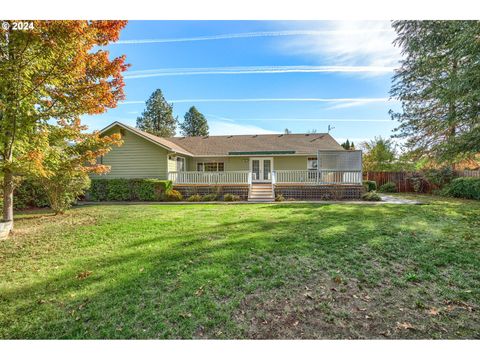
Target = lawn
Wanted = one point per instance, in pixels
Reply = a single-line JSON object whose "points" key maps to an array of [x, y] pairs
{"points": [[244, 271]]}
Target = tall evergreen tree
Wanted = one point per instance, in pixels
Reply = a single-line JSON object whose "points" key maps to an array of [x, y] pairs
{"points": [[157, 118], [346, 145], [438, 85], [194, 124]]}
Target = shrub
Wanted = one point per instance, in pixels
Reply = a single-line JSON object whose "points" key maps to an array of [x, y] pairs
{"points": [[209, 197], [118, 190], [463, 187], [279, 197], [388, 187], [231, 197], [371, 196], [417, 181], [439, 177], [98, 190], [370, 185], [173, 195], [128, 189], [29, 193], [149, 189], [63, 190], [195, 198]]}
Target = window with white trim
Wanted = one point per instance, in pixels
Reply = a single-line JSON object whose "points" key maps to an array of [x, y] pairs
{"points": [[210, 166], [312, 163], [180, 163]]}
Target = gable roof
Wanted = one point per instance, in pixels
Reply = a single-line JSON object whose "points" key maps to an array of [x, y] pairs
{"points": [[306, 144], [231, 145], [163, 142]]}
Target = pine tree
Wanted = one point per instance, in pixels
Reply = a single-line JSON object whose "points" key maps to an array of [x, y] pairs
{"points": [[157, 118], [438, 85], [194, 123], [347, 145]]}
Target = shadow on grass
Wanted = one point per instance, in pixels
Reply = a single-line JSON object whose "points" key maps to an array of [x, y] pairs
{"points": [[184, 284]]}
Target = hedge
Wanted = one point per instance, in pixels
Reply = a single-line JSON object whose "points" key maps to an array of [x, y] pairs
{"points": [[369, 185], [128, 189], [463, 187], [27, 194]]}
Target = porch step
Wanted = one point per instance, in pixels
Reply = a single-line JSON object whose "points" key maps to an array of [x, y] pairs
{"points": [[261, 193]]}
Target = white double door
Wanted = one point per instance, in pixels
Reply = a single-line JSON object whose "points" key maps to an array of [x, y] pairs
{"points": [[261, 169]]}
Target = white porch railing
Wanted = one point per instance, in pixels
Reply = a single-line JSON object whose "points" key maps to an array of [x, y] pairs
{"points": [[318, 177], [209, 177], [278, 177]]}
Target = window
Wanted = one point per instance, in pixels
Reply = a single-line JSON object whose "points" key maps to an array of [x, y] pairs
{"points": [[210, 166], [180, 163], [312, 163]]}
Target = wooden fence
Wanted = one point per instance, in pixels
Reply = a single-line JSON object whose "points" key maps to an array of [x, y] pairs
{"points": [[403, 182]]}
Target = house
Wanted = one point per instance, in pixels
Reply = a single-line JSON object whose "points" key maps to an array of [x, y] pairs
{"points": [[255, 167]]}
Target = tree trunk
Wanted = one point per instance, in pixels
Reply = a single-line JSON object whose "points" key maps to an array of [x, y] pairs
{"points": [[8, 193]]}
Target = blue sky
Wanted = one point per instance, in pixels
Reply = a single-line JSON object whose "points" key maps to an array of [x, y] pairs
{"points": [[253, 77]]}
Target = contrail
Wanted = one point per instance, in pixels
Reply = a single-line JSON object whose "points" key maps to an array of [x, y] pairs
{"points": [[249, 35], [327, 100], [257, 70]]}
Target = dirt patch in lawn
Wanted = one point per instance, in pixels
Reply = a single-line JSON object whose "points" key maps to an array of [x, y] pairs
{"points": [[339, 308]]}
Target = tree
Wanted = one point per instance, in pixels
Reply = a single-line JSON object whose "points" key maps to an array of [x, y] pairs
{"points": [[59, 158], [194, 124], [157, 118], [347, 145], [379, 155], [287, 131], [438, 85], [55, 70]]}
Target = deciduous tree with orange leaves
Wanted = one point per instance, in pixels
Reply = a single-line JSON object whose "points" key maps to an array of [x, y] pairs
{"points": [[53, 70], [61, 156]]}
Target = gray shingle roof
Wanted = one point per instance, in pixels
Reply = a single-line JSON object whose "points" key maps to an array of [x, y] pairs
{"points": [[225, 145]]}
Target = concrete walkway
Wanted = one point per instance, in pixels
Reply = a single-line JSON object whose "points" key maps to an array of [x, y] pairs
{"points": [[389, 199], [386, 199]]}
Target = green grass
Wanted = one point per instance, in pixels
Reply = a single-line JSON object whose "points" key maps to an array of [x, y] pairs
{"points": [[244, 271]]}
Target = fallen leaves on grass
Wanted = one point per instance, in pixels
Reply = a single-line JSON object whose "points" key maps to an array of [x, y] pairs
{"points": [[83, 275], [433, 311], [405, 326], [199, 292], [308, 295]]}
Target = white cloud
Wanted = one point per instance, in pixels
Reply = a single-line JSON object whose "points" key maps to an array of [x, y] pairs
{"points": [[248, 35], [229, 128], [350, 43], [373, 69]]}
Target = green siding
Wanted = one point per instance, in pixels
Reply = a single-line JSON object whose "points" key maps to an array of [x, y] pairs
{"points": [[136, 158], [242, 163], [290, 162], [231, 164]]}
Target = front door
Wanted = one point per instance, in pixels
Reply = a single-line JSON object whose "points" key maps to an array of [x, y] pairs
{"points": [[261, 169]]}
